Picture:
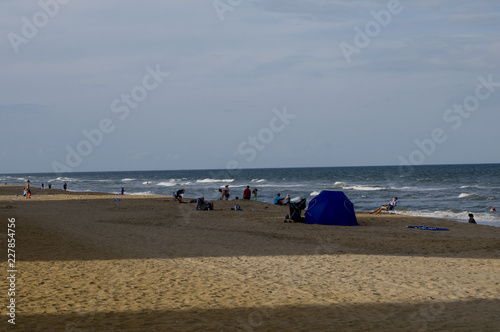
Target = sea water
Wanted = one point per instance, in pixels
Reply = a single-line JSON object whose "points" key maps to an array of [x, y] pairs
{"points": [[440, 191]]}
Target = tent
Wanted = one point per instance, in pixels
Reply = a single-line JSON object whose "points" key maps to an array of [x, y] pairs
{"points": [[331, 208]]}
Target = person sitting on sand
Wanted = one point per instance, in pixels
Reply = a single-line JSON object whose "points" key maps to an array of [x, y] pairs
{"points": [[203, 204], [178, 195], [471, 219], [247, 194], [389, 206], [287, 199], [278, 200]]}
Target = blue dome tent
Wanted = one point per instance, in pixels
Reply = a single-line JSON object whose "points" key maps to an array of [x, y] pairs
{"points": [[331, 208]]}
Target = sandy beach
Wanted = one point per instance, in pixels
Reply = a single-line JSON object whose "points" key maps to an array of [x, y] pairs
{"points": [[88, 262]]}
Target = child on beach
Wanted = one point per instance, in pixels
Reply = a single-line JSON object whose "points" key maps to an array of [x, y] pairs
{"points": [[178, 195], [471, 219], [287, 199]]}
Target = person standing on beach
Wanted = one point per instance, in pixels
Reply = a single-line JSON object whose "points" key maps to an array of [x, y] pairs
{"points": [[225, 192], [247, 194], [65, 186], [28, 190], [254, 191], [123, 191]]}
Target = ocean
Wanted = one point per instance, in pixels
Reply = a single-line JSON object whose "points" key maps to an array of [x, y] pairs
{"points": [[439, 191]]}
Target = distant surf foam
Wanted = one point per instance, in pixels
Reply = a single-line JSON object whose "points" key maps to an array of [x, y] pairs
{"points": [[215, 180]]}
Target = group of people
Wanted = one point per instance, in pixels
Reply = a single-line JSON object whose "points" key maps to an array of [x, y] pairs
{"points": [[203, 204], [247, 194], [27, 188], [278, 200], [225, 194]]}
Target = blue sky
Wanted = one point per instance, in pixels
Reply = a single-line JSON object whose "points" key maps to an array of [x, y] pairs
{"points": [[128, 85]]}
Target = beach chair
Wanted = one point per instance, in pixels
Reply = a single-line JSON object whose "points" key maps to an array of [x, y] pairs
{"points": [[390, 208], [296, 211]]}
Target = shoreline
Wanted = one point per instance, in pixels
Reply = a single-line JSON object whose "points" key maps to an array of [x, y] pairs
{"points": [[89, 262]]}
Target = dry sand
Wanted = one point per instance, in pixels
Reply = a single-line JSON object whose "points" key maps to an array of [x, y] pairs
{"points": [[87, 262]]}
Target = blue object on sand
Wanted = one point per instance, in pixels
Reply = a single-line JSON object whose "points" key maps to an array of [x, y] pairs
{"points": [[331, 208], [117, 199], [429, 228]]}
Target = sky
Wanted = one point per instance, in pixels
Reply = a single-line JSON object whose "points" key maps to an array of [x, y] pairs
{"points": [[220, 84]]}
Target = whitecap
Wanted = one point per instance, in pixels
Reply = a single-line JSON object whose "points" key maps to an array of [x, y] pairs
{"points": [[363, 188], [143, 193], [463, 195], [214, 180], [167, 184]]}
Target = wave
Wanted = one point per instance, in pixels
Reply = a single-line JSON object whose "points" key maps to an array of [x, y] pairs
{"points": [[215, 180], [345, 186], [144, 193], [167, 184], [17, 178], [173, 183], [126, 180], [463, 195], [258, 180], [65, 179], [491, 219], [315, 193]]}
